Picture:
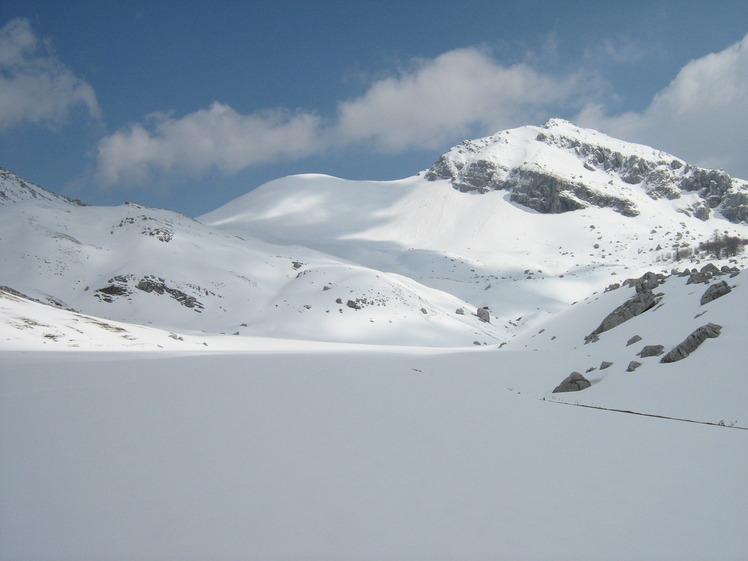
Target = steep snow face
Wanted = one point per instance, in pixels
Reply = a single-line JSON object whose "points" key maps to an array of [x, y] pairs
{"points": [[560, 168]]}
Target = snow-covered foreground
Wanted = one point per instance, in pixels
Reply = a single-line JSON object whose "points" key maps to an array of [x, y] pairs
{"points": [[346, 454]]}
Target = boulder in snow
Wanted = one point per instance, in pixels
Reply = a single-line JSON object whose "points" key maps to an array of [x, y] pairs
{"points": [[692, 342], [574, 382], [716, 290]]}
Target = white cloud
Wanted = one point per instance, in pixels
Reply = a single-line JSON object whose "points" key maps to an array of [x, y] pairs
{"points": [[701, 116], [440, 99], [213, 138], [446, 97], [34, 85]]}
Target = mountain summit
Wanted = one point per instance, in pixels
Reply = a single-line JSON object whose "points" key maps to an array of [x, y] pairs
{"points": [[560, 167]]}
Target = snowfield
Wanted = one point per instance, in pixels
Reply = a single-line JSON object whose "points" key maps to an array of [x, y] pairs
{"points": [[304, 373], [339, 455]]}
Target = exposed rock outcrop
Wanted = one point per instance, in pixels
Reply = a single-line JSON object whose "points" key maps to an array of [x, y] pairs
{"points": [[159, 286], [717, 290], [484, 314], [651, 350], [692, 342], [638, 304], [633, 365], [634, 339], [488, 164], [574, 382], [123, 285]]}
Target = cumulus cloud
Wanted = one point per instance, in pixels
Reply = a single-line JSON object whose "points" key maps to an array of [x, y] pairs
{"points": [[34, 85], [438, 99], [215, 138], [701, 116], [445, 97]]}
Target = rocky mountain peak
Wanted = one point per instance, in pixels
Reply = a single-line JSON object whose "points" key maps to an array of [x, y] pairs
{"points": [[560, 167]]}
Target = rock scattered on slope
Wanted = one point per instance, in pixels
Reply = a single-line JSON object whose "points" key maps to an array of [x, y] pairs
{"points": [[633, 307], [717, 290], [692, 342], [634, 339], [651, 350], [633, 365], [574, 382], [484, 314]]}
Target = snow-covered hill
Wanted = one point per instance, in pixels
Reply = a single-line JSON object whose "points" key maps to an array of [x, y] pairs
{"points": [[486, 245], [143, 265], [301, 381]]}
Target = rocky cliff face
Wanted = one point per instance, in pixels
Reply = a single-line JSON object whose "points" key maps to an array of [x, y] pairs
{"points": [[561, 168]]}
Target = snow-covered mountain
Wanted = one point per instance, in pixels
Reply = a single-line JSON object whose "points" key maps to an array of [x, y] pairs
{"points": [[481, 235], [522, 223], [155, 267], [317, 392], [560, 168]]}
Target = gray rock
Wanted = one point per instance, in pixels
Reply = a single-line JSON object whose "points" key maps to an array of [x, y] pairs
{"points": [[484, 314], [651, 350], [605, 364], [460, 311], [159, 286], [638, 304], [699, 278], [634, 339], [469, 168], [633, 365], [692, 342], [353, 304], [717, 290], [649, 281], [574, 382]]}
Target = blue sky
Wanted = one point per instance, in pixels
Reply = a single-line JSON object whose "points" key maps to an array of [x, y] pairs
{"points": [[187, 105]]}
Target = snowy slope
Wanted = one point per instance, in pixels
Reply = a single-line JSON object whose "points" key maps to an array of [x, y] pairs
{"points": [[142, 265], [483, 246]]}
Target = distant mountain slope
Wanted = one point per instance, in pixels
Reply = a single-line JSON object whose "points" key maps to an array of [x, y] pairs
{"points": [[155, 267], [397, 262], [472, 225]]}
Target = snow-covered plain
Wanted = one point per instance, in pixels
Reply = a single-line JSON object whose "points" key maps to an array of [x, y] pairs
{"points": [[272, 422], [342, 455]]}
